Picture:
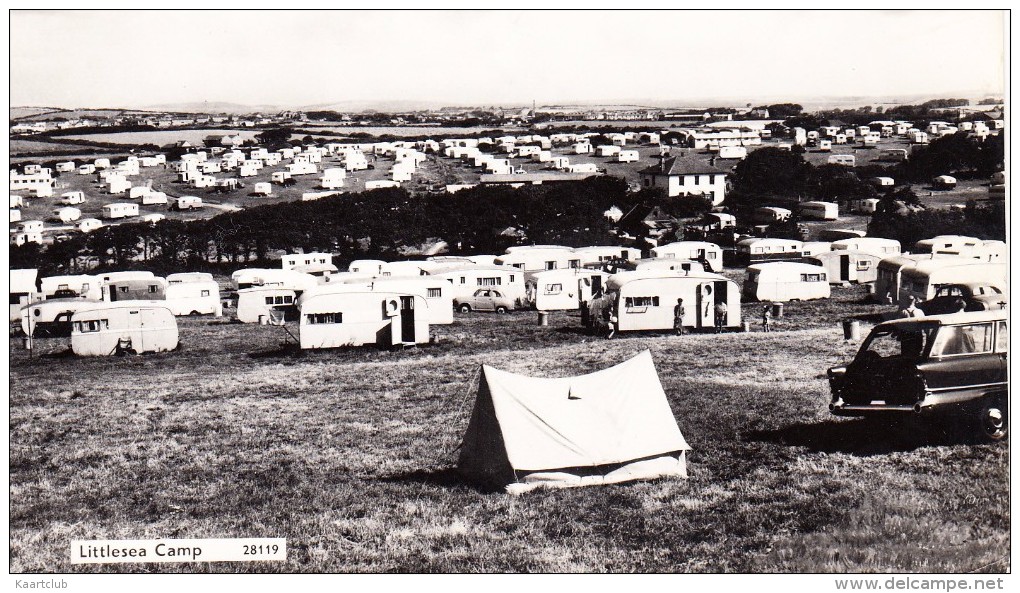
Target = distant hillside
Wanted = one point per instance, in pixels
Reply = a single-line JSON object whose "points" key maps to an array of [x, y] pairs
{"points": [[383, 106], [20, 112], [215, 107], [51, 113]]}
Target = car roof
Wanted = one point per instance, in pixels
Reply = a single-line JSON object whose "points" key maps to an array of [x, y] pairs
{"points": [[949, 319]]}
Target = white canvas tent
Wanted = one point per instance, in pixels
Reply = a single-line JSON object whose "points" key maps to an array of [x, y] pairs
{"points": [[610, 426]]}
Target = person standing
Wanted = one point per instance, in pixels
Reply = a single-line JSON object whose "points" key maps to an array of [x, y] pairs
{"points": [[678, 317], [595, 313], [720, 316], [766, 319]]}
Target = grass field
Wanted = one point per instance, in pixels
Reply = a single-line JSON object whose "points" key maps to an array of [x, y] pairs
{"points": [[346, 453], [162, 137]]}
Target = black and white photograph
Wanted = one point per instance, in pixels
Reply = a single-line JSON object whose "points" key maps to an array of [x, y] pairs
{"points": [[712, 294]]}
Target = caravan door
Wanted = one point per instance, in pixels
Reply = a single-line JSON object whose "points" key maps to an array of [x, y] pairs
{"points": [[722, 296], [706, 304], [844, 268], [407, 320]]}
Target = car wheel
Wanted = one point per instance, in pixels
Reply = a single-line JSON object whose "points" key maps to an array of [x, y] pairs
{"points": [[993, 421], [500, 310], [465, 308]]}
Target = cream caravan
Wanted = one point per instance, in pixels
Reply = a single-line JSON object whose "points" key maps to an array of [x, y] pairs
{"points": [[536, 258], [563, 290], [847, 266], [644, 301], [785, 281], [338, 319], [437, 292], [709, 253], [193, 296], [104, 329]]}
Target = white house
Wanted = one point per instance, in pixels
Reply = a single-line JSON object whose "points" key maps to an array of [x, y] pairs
{"points": [[687, 176]]}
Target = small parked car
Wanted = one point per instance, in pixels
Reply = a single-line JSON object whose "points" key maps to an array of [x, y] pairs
{"points": [[484, 299], [975, 296], [950, 365]]}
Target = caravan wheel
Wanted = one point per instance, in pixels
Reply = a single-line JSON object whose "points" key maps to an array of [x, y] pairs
{"points": [[194, 314]]}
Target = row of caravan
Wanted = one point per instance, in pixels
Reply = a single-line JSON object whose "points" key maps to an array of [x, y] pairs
{"points": [[45, 305]]}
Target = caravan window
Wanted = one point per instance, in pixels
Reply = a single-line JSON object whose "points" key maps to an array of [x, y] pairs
{"points": [[269, 300], [575, 263], [435, 293], [318, 318], [123, 288], [553, 288], [205, 293], [153, 288], [463, 280], [92, 325], [550, 265], [630, 302], [497, 281], [812, 277], [863, 264]]}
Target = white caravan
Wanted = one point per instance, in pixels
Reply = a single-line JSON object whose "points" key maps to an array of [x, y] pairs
{"points": [[339, 319], [104, 329], [786, 281], [645, 300]]}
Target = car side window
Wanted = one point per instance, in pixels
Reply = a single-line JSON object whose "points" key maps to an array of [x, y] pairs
{"points": [[963, 339], [1002, 337]]}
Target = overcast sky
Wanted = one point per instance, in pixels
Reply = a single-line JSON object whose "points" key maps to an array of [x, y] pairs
{"points": [[135, 59]]}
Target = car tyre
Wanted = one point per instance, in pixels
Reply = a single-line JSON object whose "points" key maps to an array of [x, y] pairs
{"points": [[992, 420], [465, 308], [501, 310]]}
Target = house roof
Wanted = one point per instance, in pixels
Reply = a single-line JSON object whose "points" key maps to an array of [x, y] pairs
{"points": [[646, 215], [683, 165]]}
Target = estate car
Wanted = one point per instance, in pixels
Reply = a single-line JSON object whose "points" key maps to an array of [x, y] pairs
{"points": [[949, 364]]}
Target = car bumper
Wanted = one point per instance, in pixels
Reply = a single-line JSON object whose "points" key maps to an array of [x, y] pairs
{"points": [[932, 402]]}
